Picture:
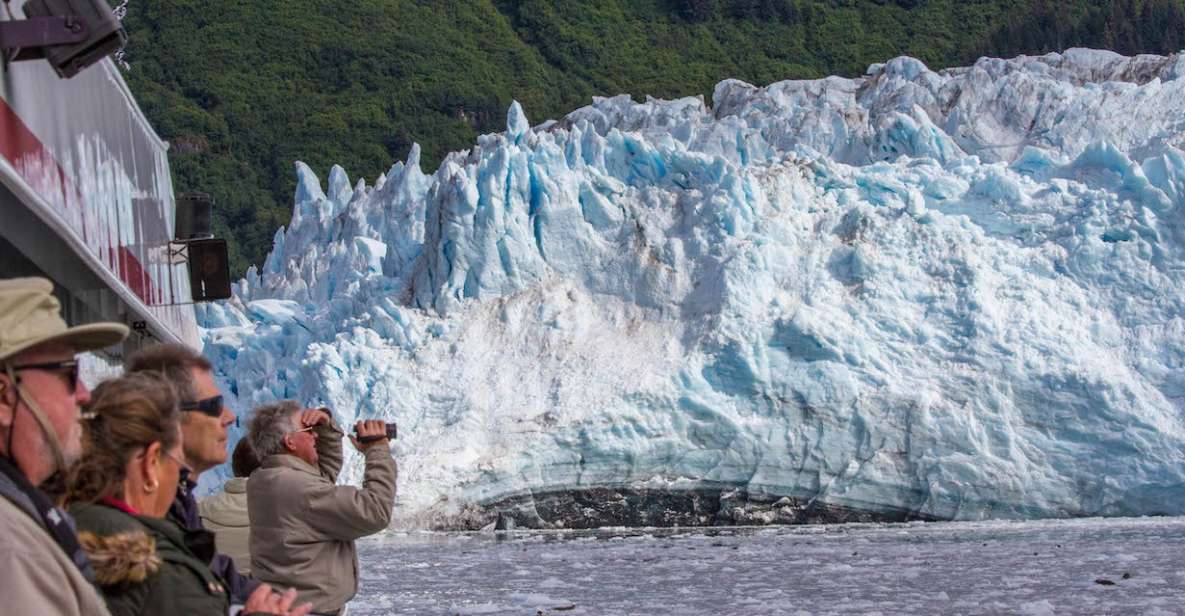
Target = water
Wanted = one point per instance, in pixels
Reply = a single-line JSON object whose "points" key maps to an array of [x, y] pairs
{"points": [[1095, 566]]}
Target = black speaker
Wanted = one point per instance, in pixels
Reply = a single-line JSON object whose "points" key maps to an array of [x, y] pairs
{"points": [[105, 34], [193, 216], [209, 270]]}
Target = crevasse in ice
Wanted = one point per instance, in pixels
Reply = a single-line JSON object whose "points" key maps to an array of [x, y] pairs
{"points": [[956, 293]]}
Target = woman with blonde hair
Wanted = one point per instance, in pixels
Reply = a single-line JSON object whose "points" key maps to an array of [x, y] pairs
{"points": [[119, 494]]}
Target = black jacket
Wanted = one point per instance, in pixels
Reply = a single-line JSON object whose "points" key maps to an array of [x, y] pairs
{"points": [[185, 513]]}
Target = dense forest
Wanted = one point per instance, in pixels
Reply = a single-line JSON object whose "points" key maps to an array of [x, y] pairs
{"points": [[242, 89]]}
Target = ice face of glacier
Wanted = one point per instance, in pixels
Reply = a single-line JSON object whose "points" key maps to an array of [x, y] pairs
{"points": [[952, 294]]}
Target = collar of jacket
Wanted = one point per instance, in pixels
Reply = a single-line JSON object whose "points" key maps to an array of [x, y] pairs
{"points": [[187, 482], [184, 510], [235, 485], [115, 503], [284, 460]]}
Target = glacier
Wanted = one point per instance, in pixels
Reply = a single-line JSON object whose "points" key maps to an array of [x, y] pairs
{"points": [[914, 294]]}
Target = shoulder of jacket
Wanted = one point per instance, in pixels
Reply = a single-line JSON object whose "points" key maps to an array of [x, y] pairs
{"points": [[225, 511], [40, 578], [182, 573], [212, 502], [11, 510], [102, 520], [235, 485], [23, 535], [281, 468], [183, 586], [182, 570]]}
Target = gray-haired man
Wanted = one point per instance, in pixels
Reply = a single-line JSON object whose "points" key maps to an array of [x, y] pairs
{"points": [[303, 525]]}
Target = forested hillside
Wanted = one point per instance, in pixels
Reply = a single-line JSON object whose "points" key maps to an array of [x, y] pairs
{"points": [[242, 89]]}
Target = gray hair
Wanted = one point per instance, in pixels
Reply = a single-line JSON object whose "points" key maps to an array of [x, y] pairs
{"points": [[269, 423]]}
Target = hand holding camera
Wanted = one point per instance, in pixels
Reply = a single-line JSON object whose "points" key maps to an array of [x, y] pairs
{"points": [[372, 432]]}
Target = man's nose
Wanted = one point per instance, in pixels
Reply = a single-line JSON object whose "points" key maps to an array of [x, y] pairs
{"points": [[228, 416], [82, 395]]}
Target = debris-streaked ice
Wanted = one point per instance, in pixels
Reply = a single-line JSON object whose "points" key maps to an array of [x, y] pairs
{"points": [[954, 293]]}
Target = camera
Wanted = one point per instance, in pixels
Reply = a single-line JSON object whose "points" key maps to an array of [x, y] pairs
{"points": [[391, 431]]}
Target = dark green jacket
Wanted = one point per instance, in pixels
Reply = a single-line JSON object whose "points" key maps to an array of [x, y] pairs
{"points": [[150, 565]]}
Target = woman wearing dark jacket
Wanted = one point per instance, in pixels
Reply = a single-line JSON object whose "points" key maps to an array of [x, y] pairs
{"points": [[121, 490]]}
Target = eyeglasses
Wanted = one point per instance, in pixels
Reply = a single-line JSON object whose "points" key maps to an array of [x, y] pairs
{"points": [[68, 368], [306, 429], [208, 406], [180, 463]]}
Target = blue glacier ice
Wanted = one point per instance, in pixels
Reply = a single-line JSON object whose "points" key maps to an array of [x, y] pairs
{"points": [[959, 294]]}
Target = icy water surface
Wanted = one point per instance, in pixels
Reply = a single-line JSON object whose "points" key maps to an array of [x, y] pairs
{"points": [[1117, 566]]}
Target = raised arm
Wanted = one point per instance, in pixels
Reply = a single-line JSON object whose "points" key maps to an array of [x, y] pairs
{"points": [[346, 512], [329, 440]]}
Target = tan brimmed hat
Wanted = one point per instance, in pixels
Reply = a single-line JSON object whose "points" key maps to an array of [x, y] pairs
{"points": [[30, 316]]}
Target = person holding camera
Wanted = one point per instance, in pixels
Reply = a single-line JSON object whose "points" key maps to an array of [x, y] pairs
{"points": [[303, 525]]}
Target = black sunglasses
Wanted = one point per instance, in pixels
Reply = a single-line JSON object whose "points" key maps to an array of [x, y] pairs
{"points": [[69, 368], [208, 406]]}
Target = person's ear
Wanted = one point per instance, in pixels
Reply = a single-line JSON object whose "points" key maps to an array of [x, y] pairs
{"points": [[8, 400], [152, 466]]}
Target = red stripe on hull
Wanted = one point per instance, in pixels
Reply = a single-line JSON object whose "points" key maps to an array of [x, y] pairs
{"points": [[19, 144]]}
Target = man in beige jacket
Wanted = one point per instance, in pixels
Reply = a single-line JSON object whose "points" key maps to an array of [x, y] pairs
{"points": [[303, 525], [45, 570]]}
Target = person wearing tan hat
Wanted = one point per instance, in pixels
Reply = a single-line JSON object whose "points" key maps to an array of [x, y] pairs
{"points": [[46, 572]]}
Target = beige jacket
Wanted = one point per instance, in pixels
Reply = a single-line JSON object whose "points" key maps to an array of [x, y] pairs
{"points": [[38, 576], [225, 514], [303, 525]]}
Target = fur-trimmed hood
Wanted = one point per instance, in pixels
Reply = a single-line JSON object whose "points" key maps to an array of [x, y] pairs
{"points": [[126, 557]]}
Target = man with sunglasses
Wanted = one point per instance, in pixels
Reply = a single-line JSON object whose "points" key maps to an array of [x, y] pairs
{"points": [[204, 423], [45, 569]]}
